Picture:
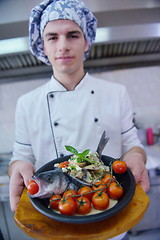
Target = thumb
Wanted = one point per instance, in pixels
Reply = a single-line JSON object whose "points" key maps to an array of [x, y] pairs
{"points": [[27, 173]]}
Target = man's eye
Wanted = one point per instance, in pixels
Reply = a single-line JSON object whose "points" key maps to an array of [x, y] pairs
{"points": [[73, 36], [52, 38]]}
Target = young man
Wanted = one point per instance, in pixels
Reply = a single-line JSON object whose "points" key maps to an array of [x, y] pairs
{"points": [[73, 108]]}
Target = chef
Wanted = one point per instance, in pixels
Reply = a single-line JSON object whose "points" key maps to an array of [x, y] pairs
{"points": [[72, 108]]}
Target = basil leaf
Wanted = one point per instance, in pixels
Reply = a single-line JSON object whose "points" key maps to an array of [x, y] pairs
{"points": [[85, 153], [79, 159], [71, 149], [89, 160], [73, 168]]}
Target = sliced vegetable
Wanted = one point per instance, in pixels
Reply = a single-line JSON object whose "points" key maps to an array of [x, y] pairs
{"points": [[63, 164]]}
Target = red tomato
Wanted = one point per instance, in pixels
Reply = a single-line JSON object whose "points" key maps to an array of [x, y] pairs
{"points": [[63, 164], [67, 206], [119, 166], [70, 193], [99, 186], [54, 201], [83, 205], [115, 190], [32, 187], [107, 179], [86, 191], [100, 200]]}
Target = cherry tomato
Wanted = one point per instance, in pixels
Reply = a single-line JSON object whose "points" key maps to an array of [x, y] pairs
{"points": [[100, 200], [107, 179], [86, 191], [32, 187], [67, 206], [83, 205], [119, 166], [70, 193], [63, 164], [54, 201], [99, 186], [115, 190]]}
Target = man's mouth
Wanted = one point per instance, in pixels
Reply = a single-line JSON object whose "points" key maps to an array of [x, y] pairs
{"points": [[64, 58]]}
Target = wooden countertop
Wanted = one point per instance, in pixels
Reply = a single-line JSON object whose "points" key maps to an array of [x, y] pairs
{"points": [[40, 227]]}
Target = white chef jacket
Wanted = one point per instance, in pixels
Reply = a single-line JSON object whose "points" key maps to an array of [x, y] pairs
{"points": [[50, 117]]}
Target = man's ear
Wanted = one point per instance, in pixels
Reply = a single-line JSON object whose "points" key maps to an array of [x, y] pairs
{"points": [[44, 50], [86, 46]]}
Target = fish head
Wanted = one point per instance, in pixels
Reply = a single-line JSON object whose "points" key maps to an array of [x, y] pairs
{"points": [[49, 176], [50, 182]]}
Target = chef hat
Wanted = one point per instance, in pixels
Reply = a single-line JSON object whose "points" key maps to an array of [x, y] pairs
{"points": [[50, 10]]}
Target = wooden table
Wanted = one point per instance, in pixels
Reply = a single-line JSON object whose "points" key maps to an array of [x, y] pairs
{"points": [[40, 227]]}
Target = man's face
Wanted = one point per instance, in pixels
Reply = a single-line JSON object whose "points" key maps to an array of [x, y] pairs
{"points": [[64, 45]]}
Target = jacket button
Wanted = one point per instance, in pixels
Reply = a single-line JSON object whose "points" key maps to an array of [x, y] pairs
{"points": [[55, 123], [51, 95], [92, 92], [96, 119]]}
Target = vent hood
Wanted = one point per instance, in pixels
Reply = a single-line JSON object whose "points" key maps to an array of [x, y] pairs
{"points": [[128, 35]]}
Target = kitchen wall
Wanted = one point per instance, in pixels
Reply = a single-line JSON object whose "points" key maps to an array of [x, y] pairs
{"points": [[143, 85]]}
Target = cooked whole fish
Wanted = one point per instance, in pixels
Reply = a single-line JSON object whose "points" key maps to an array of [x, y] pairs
{"points": [[54, 182]]}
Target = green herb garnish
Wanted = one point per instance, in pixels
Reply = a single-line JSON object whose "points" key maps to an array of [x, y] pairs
{"points": [[81, 156], [73, 168]]}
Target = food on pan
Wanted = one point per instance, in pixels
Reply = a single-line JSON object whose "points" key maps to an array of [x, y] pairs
{"points": [[81, 184], [85, 166]]}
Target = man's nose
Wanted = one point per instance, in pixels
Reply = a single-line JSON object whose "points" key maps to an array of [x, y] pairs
{"points": [[64, 45]]}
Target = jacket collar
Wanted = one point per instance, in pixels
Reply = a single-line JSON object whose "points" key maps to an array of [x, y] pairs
{"points": [[55, 86]]}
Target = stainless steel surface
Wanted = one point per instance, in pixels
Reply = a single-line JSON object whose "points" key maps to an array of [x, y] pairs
{"points": [[131, 30], [4, 160], [108, 12], [4, 179]]}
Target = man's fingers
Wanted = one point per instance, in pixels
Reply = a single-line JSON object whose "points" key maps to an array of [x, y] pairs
{"points": [[14, 203], [144, 181], [27, 175], [20, 176], [15, 190], [141, 177]]}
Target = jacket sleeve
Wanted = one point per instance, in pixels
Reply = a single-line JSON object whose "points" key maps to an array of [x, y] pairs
{"points": [[22, 149], [129, 131]]}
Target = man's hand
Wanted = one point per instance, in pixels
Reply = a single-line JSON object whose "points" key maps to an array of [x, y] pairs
{"points": [[20, 172], [136, 159]]}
